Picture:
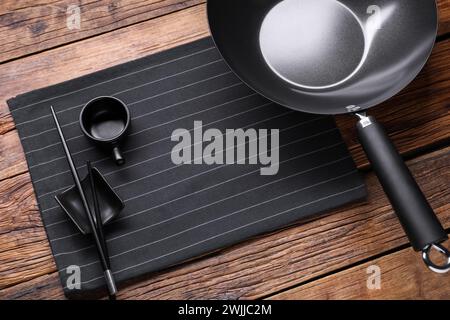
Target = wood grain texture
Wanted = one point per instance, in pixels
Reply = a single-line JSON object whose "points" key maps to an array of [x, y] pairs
{"points": [[30, 26], [402, 276], [85, 57], [81, 58], [415, 119], [267, 264], [23, 242], [444, 12], [117, 47], [12, 156]]}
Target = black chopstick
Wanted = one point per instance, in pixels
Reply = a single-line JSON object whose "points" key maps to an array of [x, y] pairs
{"points": [[107, 272], [98, 217]]}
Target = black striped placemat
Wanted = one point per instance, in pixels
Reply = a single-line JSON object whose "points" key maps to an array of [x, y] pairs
{"points": [[176, 212]]}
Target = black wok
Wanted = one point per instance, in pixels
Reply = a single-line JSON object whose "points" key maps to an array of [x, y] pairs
{"points": [[336, 57]]}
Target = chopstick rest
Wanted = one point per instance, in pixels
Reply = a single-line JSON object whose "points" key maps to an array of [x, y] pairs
{"points": [[70, 202]]}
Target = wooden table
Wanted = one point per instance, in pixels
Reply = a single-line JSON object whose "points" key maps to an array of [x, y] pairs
{"points": [[323, 258]]}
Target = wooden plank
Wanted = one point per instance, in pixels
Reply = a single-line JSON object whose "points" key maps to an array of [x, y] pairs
{"points": [[117, 47], [82, 58], [12, 157], [85, 57], [264, 265], [27, 27], [444, 20], [31, 26], [430, 127], [402, 276], [23, 242], [33, 289], [18, 205], [415, 119]]}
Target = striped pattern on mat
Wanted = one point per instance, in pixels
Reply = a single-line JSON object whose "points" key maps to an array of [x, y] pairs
{"points": [[177, 212]]}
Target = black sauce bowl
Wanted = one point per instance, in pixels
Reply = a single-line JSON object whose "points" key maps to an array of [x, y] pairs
{"points": [[106, 121]]}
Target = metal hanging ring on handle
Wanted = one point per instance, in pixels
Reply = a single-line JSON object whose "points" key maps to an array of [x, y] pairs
{"points": [[431, 265]]}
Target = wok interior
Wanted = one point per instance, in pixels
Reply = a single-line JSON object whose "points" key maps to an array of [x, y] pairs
{"points": [[312, 58], [325, 56]]}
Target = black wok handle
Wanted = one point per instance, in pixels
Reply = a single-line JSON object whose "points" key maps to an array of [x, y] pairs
{"points": [[413, 210]]}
